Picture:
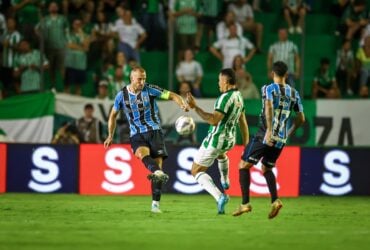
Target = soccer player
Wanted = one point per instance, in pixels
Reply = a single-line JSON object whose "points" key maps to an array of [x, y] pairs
{"points": [[137, 100], [228, 112], [278, 100]]}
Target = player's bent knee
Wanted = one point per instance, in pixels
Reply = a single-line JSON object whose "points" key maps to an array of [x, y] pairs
{"points": [[245, 165], [142, 152], [266, 168], [197, 169]]}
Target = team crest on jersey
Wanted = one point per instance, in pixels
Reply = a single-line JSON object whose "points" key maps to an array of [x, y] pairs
{"points": [[146, 99]]}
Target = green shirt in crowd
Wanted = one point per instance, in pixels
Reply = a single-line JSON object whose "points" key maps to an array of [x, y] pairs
{"points": [[76, 59], [29, 13], [324, 79], [54, 31], [30, 77], [186, 24]]}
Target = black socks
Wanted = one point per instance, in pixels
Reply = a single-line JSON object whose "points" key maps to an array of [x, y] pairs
{"points": [[245, 180], [271, 182], [150, 164]]}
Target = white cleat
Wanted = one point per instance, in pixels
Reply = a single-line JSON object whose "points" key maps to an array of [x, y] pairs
{"points": [[155, 209]]}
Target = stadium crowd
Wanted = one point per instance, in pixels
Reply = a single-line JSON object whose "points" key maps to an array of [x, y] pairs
{"points": [[97, 42]]}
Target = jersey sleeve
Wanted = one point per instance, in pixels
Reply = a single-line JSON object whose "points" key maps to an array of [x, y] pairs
{"points": [[268, 91], [220, 104], [118, 101], [159, 92], [298, 107]]}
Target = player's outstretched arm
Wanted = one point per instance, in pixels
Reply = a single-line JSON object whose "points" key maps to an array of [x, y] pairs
{"points": [[243, 125], [211, 118], [180, 101], [111, 127], [298, 121]]}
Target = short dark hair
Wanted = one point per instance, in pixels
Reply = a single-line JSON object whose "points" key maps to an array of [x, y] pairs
{"points": [[280, 68], [230, 74], [88, 106]]}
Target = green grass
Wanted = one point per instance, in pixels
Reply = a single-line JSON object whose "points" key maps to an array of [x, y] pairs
{"points": [[31, 221]]}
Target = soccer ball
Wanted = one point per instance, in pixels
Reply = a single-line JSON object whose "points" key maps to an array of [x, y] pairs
{"points": [[185, 125]]}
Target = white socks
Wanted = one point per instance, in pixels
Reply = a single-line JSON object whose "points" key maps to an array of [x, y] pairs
{"points": [[223, 167], [155, 203], [207, 183]]}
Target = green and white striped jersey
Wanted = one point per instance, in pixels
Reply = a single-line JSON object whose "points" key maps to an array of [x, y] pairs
{"points": [[30, 78], [187, 24], [223, 135], [284, 51], [9, 52]]}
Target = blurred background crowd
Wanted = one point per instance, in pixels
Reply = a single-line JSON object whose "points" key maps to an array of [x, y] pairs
{"points": [[87, 47]]}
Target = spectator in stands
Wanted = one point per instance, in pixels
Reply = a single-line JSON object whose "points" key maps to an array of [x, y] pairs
{"points": [[10, 44], [66, 134], [345, 71], [363, 59], [103, 35], [116, 83], [131, 36], [120, 63], [339, 6], [364, 33], [87, 24], [287, 52], [191, 71], [244, 81], [28, 15], [52, 29], [324, 83], [103, 93], [354, 19], [27, 68], [261, 5], [89, 127], [186, 13], [76, 58], [294, 9], [107, 6], [226, 49], [75, 8], [245, 16], [153, 21], [184, 88], [222, 28], [208, 17], [2, 27]]}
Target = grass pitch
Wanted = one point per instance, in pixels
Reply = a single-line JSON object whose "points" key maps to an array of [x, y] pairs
{"points": [[34, 221]]}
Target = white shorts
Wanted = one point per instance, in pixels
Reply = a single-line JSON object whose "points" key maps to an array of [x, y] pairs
{"points": [[206, 156]]}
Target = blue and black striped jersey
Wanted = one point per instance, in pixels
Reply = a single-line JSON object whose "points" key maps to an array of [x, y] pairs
{"points": [[284, 100], [141, 109]]}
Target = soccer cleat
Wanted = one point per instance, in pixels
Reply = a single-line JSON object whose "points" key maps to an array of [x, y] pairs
{"points": [[243, 208], [158, 176], [155, 209], [275, 208], [221, 203]]}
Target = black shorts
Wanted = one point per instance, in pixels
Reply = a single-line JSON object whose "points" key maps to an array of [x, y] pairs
{"points": [[255, 150], [154, 140]]}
